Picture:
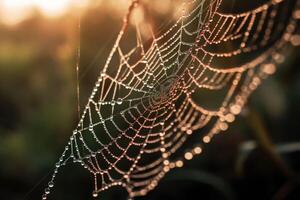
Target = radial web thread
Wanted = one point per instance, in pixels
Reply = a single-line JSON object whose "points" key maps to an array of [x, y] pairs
{"points": [[146, 104]]}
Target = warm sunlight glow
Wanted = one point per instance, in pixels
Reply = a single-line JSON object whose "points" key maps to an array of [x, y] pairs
{"points": [[13, 11]]}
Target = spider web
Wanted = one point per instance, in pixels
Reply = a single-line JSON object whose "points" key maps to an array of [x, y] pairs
{"points": [[145, 107]]}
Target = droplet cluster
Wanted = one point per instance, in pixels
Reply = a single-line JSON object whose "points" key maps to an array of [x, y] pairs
{"points": [[147, 109]]}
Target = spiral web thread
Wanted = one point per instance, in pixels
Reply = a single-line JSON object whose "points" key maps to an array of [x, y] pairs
{"points": [[143, 107]]}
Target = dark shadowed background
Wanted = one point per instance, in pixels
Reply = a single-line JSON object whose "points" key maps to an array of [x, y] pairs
{"points": [[257, 158]]}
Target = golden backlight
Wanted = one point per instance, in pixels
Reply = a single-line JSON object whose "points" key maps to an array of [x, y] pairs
{"points": [[12, 11]]}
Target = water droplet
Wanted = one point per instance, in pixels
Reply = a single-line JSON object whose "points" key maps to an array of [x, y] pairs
{"points": [[150, 86], [189, 131], [47, 191], [119, 101], [51, 184], [112, 103], [95, 194]]}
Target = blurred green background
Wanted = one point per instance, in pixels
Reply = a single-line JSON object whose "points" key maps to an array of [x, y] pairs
{"points": [[257, 158]]}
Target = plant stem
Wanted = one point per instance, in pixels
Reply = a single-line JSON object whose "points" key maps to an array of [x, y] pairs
{"points": [[264, 141]]}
